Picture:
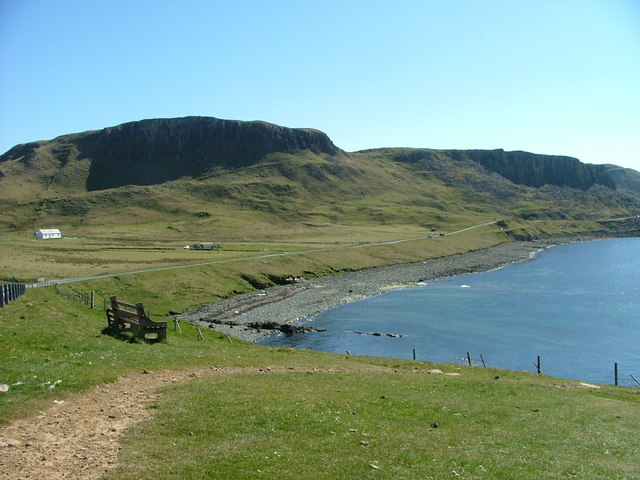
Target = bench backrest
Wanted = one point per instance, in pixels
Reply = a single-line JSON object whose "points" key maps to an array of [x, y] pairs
{"points": [[124, 309]]}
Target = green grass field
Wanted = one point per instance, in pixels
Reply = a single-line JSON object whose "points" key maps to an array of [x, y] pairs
{"points": [[356, 417], [331, 416]]}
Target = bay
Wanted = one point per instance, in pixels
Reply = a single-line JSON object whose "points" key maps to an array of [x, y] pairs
{"points": [[576, 306]]}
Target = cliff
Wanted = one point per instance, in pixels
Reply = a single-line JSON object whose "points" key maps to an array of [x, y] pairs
{"points": [[155, 151], [536, 170]]}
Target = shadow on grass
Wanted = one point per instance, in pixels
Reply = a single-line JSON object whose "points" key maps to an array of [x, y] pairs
{"points": [[127, 336]]}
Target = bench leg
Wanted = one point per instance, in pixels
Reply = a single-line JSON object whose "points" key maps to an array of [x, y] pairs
{"points": [[136, 330], [160, 332]]}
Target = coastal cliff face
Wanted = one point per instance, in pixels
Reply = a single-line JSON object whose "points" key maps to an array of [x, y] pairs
{"points": [[519, 168], [155, 151], [536, 170]]}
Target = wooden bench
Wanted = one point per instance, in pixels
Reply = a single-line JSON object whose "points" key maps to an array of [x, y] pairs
{"points": [[129, 317]]}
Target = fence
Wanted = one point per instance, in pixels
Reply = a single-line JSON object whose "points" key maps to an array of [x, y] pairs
{"points": [[88, 299], [10, 291], [537, 364]]}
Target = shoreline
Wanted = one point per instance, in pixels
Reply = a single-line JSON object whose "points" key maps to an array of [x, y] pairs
{"points": [[287, 305]]}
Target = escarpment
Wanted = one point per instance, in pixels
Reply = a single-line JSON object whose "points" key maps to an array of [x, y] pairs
{"points": [[154, 151], [535, 170]]}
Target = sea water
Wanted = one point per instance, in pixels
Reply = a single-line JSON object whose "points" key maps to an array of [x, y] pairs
{"points": [[575, 306]]}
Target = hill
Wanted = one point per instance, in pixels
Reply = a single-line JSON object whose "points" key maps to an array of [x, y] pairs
{"points": [[191, 169], [287, 203]]}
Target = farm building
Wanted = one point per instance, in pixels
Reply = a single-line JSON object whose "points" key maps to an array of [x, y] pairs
{"points": [[206, 246], [48, 233]]}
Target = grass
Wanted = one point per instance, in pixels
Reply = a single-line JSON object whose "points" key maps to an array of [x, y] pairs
{"points": [[45, 338], [382, 425], [219, 274], [359, 417]]}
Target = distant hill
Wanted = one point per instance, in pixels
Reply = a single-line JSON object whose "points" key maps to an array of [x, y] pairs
{"points": [[624, 179], [151, 152], [175, 167]]}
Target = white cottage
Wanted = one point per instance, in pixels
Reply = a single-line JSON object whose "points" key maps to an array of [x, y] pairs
{"points": [[48, 233]]}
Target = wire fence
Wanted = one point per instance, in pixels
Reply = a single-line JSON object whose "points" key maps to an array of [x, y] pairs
{"points": [[538, 366], [88, 299]]}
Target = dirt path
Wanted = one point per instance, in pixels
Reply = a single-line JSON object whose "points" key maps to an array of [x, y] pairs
{"points": [[79, 438]]}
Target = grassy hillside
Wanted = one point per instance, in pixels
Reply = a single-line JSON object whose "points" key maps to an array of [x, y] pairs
{"points": [[285, 202], [210, 176], [332, 416]]}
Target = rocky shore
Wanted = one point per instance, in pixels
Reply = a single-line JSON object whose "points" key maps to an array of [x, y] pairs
{"points": [[252, 317]]}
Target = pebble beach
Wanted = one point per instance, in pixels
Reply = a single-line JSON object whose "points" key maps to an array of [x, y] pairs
{"points": [[291, 304]]}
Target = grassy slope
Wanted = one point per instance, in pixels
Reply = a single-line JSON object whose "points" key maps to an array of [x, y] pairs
{"points": [[243, 426], [178, 289], [227, 427]]}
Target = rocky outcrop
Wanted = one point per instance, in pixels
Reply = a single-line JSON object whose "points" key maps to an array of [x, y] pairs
{"points": [[154, 151], [536, 170]]}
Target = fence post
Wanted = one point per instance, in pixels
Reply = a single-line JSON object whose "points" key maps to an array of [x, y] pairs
{"points": [[414, 353], [199, 333], [615, 373], [469, 358]]}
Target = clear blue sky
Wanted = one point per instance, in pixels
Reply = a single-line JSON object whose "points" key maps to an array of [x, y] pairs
{"points": [[545, 76]]}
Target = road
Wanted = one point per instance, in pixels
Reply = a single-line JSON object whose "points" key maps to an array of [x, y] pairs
{"points": [[244, 259]]}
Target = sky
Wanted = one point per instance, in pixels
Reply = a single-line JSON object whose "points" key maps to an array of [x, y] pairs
{"points": [[557, 77]]}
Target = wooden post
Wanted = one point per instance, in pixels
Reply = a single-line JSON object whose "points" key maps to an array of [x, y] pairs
{"points": [[482, 359], [538, 365], [93, 299], [636, 380], [469, 358], [414, 353], [615, 373], [177, 325], [140, 310], [229, 338], [199, 332]]}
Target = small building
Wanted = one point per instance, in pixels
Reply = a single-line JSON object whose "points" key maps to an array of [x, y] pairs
{"points": [[206, 246], [48, 233]]}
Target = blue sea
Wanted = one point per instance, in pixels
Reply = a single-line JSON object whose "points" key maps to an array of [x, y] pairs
{"points": [[575, 306]]}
